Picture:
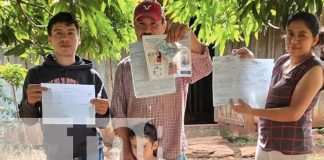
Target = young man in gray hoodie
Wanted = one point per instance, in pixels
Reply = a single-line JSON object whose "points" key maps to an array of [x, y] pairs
{"points": [[64, 67]]}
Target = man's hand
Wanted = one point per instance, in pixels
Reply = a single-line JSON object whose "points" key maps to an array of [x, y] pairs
{"points": [[243, 53], [177, 31], [101, 105], [34, 93]]}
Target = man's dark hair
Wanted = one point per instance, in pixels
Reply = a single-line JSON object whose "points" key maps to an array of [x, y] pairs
{"points": [[149, 131], [62, 17]]}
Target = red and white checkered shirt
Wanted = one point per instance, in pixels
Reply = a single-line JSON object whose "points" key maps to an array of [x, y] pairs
{"points": [[167, 111]]}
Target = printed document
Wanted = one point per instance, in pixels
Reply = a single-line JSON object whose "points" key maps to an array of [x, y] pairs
{"points": [[248, 80], [143, 87], [165, 59]]}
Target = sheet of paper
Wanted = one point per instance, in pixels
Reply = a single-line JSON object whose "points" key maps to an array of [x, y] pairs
{"points": [[253, 81], [224, 70], [245, 79], [184, 63], [143, 87], [159, 63], [68, 104]]}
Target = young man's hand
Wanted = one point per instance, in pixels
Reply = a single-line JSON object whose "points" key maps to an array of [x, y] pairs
{"points": [[101, 105], [34, 93]]}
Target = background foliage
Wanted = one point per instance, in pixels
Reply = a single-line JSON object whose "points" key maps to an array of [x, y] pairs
{"points": [[107, 25], [221, 21], [14, 76]]}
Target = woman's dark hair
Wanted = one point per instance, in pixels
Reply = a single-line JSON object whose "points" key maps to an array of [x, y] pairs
{"points": [[310, 20], [60, 17]]}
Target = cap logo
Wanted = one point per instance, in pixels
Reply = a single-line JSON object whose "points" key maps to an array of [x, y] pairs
{"points": [[147, 7]]}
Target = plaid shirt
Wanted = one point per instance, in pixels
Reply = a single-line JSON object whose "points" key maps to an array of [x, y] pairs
{"points": [[167, 110], [290, 138]]}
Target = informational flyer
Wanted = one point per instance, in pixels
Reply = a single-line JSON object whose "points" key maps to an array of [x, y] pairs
{"points": [[165, 59], [143, 87]]}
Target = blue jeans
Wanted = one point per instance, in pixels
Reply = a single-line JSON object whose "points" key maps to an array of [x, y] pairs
{"points": [[182, 156], [92, 156]]}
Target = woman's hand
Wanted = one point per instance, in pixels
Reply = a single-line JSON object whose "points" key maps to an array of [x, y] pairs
{"points": [[241, 107], [243, 53]]}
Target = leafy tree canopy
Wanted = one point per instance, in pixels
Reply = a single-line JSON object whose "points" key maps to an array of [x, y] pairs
{"points": [[221, 21], [107, 27]]}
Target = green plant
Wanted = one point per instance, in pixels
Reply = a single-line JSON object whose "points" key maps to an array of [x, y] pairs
{"points": [[14, 75], [242, 141], [239, 140]]}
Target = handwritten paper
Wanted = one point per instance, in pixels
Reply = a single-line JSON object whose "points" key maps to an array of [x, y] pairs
{"points": [[68, 104]]}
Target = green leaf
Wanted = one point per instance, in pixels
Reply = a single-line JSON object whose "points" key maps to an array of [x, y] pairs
{"points": [[255, 12], [221, 48], [58, 7], [300, 3], [319, 7], [312, 5], [246, 10], [85, 45], [122, 5], [8, 35], [83, 16], [36, 59], [21, 34], [92, 25], [17, 50]]}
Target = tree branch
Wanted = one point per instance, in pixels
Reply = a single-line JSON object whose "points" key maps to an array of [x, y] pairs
{"points": [[29, 19], [35, 5]]}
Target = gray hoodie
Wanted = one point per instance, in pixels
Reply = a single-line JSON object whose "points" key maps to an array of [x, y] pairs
{"points": [[55, 145]]}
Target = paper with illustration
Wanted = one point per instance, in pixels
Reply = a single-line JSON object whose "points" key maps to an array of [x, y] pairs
{"points": [[246, 79], [165, 59], [143, 87], [68, 104]]}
